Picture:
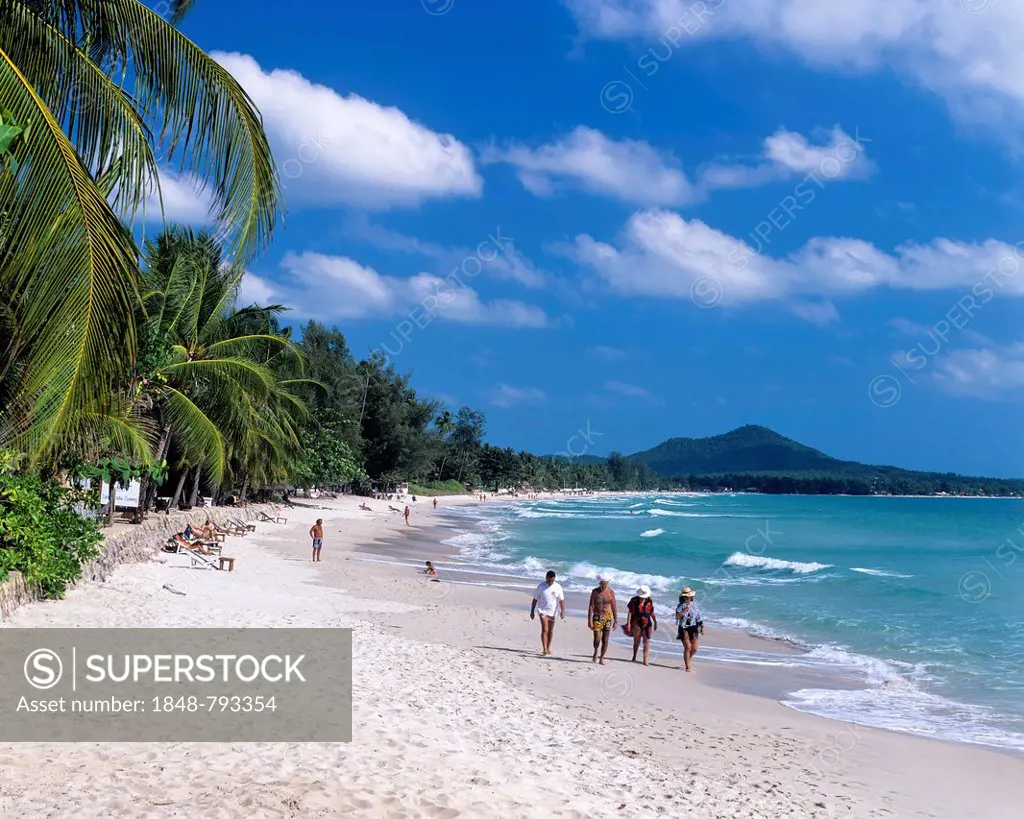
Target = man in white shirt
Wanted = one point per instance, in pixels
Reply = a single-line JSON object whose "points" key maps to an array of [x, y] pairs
{"points": [[548, 599]]}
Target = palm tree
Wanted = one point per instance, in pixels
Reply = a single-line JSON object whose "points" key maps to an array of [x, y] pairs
{"points": [[445, 424], [207, 379], [98, 85]]}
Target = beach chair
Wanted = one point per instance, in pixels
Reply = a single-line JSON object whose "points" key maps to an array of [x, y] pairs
{"points": [[275, 519], [242, 525], [227, 529]]}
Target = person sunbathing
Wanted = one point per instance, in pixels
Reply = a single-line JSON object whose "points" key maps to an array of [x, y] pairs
{"points": [[365, 508], [392, 508], [430, 571], [191, 545]]}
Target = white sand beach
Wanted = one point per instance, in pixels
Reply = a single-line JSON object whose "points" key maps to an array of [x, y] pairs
{"points": [[455, 713]]}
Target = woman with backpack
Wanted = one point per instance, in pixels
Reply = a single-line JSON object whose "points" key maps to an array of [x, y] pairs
{"points": [[641, 621]]}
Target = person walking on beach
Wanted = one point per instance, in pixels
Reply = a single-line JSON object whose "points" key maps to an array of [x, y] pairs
{"points": [[602, 615], [691, 624], [641, 621], [316, 532], [548, 599], [407, 512], [435, 503]]}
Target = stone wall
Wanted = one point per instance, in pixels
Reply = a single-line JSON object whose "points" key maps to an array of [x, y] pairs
{"points": [[126, 543]]}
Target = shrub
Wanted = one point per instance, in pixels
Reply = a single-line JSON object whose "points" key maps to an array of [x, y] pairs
{"points": [[41, 534], [437, 488]]}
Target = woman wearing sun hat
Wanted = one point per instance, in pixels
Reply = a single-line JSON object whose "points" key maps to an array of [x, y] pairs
{"points": [[641, 620], [691, 624]]}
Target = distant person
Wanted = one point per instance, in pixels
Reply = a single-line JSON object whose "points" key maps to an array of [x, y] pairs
{"points": [[691, 624], [641, 621], [602, 615], [547, 600], [435, 503], [407, 513], [316, 532], [430, 571], [365, 508]]}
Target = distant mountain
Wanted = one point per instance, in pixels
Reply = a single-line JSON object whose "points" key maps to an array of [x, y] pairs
{"points": [[751, 449], [756, 450]]}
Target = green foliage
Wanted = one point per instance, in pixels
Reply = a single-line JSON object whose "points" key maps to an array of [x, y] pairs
{"points": [[10, 133], [430, 488], [41, 535], [326, 459]]}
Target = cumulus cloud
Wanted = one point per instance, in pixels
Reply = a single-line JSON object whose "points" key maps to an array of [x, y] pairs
{"points": [[330, 288], [496, 252], [662, 254], [635, 172], [503, 395], [338, 149], [184, 199], [974, 60], [991, 373]]}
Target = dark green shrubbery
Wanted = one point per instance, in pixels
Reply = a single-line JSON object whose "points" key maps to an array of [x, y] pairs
{"points": [[41, 534], [437, 488]]}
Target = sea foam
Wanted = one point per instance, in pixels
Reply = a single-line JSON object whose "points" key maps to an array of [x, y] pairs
{"points": [[749, 561]]}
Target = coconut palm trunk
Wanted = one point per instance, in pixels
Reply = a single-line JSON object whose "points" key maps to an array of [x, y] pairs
{"points": [[145, 481], [194, 497], [110, 508], [178, 490]]}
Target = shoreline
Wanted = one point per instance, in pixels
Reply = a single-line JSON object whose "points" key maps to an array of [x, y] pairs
{"points": [[738, 658], [455, 713]]}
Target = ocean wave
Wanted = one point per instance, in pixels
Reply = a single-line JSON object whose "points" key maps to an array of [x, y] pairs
{"points": [[652, 533], [624, 579], [908, 709], [749, 561], [880, 572], [759, 581]]}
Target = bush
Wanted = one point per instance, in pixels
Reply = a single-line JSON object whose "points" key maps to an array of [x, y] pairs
{"points": [[437, 488], [41, 534]]}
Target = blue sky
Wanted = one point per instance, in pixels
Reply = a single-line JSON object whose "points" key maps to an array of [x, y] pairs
{"points": [[672, 217]]}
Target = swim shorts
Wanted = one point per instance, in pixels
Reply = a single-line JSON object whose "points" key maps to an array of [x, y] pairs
{"points": [[602, 622], [317, 543]]}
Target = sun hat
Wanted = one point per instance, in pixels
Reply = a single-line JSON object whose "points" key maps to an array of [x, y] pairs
{"points": [[687, 592], [603, 578], [643, 591]]}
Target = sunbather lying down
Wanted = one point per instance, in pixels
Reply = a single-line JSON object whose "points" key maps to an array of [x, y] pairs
{"points": [[194, 545], [365, 508], [392, 508]]}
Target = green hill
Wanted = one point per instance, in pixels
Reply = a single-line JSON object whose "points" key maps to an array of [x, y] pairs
{"points": [[747, 449], [758, 457]]}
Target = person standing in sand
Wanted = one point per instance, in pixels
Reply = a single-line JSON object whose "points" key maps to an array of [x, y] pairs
{"points": [[641, 621], [316, 532], [547, 599], [407, 512], [435, 503], [691, 624], [602, 615]]}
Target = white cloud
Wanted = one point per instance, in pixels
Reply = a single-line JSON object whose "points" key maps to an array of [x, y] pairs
{"points": [[787, 155], [981, 373], [185, 201], [502, 395], [629, 170], [336, 287], [496, 253], [635, 172], [974, 60], [662, 254], [632, 390], [336, 149]]}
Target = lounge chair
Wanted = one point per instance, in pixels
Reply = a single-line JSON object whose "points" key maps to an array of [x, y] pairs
{"points": [[244, 526], [275, 519]]}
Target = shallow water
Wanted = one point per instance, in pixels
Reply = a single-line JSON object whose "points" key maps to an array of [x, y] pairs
{"points": [[919, 599]]}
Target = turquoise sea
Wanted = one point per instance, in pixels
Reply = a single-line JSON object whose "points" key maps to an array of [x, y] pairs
{"points": [[916, 603]]}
